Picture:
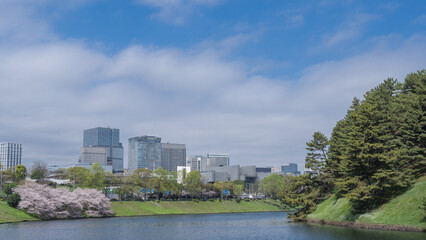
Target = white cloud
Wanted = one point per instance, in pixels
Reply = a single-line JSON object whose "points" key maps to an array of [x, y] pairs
{"points": [[420, 19], [52, 91], [349, 30], [296, 21], [176, 11]]}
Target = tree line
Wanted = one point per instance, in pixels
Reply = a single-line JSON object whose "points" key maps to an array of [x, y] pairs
{"points": [[375, 152]]}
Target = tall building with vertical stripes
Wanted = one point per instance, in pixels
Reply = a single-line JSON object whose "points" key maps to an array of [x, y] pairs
{"points": [[172, 156], [10, 155], [144, 152]]}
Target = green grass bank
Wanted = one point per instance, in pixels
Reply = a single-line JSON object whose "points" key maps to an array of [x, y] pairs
{"points": [[10, 214], [402, 210], [137, 208]]}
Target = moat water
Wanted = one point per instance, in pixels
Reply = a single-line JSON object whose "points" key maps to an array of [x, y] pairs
{"points": [[270, 225]]}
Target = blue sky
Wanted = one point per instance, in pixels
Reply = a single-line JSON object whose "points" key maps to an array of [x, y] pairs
{"points": [[253, 79]]}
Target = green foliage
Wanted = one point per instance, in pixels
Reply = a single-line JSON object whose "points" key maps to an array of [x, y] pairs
{"points": [[401, 210], [192, 183], [37, 174], [238, 190], [9, 175], [39, 171], [377, 150], [304, 193], [78, 175], [317, 153], [8, 188], [274, 185], [21, 172], [95, 177], [13, 200]]}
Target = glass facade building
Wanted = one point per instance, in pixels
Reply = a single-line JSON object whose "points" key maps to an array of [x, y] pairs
{"points": [[144, 152], [102, 137], [10, 155], [109, 138], [289, 168]]}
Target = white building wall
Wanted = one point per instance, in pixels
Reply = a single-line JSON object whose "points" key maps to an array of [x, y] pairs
{"points": [[10, 155]]}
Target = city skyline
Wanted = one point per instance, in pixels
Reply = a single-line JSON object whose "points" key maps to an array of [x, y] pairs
{"points": [[252, 79]]}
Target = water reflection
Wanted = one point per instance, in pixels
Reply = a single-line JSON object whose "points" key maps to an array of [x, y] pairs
{"points": [[214, 226]]}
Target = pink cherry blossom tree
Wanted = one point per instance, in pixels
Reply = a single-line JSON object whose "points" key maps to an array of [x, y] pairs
{"points": [[57, 203]]}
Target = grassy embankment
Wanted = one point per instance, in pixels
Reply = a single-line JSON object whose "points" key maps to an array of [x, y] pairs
{"points": [[402, 210], [9, 214], [122, 209]]}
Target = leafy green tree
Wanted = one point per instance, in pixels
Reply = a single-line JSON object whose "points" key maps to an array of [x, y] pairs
{"points": [[39, 171], [9, 175], [220, 186], [160, 181], [37, 174], [273, 185], [21, 172], [173, 185], [193, 183], [95, 177], [142, 178], [77, 174], [238, 190]]}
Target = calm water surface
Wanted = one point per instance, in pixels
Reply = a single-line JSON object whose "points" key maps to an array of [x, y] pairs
{"points": [[272, 225]]}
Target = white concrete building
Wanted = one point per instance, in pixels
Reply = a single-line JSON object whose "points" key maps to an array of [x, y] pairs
{"points": [[10, 155]]}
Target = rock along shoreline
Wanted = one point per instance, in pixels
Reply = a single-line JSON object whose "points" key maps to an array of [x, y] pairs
{"points": [[385, 227]]}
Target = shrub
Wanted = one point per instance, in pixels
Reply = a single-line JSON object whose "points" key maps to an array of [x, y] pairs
{"points": [[8, 188], [52, 184], [196, 200], [13, 200], [238, 200]]}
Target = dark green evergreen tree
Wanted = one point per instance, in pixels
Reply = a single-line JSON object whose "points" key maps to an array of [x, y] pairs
{"points": [[317, 153]]}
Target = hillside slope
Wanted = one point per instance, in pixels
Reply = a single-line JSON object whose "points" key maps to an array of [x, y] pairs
{"points": [[9, 214], [402, 210], [188, 207]]}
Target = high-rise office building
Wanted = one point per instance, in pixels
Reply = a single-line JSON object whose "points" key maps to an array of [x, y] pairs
{"points": [[172, 156], [10, 155], [101, 136], [98, 138], [144, 152]]}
